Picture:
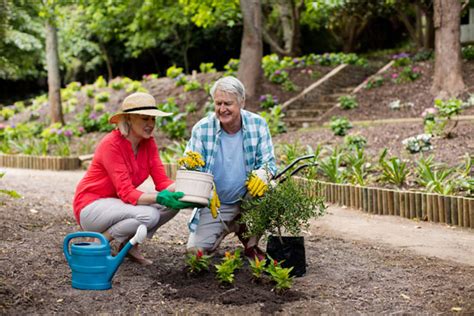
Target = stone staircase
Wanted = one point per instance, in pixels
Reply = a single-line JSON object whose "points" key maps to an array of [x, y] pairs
{"points": [[308, 107]]}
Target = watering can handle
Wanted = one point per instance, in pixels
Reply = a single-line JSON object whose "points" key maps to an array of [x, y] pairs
{"points": [[68, 238]]}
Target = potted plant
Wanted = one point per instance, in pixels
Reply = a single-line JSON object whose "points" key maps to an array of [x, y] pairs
{"points": [[195, 184], [281, 214]]}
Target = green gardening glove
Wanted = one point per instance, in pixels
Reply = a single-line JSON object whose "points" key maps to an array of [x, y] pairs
{"points": [[171, 200]]}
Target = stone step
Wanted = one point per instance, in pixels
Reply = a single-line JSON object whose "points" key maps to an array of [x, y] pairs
{"points": [[305, 113], [301, 121], [311, 104]]}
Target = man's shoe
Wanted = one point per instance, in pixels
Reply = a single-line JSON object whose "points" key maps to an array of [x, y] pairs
{"points": [[253, 252]]}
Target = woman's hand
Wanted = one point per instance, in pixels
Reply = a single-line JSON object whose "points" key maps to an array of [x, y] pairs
{"points": [[171, 200]]}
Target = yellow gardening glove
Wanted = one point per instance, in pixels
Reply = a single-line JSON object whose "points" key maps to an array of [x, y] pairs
{"points": [[214, 203], [257, 183]]}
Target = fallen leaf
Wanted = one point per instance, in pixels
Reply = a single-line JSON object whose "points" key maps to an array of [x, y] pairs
{"points": [[456, 309], [405, 296]]}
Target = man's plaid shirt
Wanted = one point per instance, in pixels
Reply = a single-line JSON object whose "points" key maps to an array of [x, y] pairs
{"points": [[257, 142]]}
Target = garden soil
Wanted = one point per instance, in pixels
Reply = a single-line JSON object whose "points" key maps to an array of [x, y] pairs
{"points": [[357, 263]]}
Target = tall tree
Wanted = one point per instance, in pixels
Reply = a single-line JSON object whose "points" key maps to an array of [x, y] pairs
{"points": [[447, 79], [52, 61], [251, 51]]}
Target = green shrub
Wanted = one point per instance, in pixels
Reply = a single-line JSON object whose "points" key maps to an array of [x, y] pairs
{"points": [[394, 170], [374, 82], [7, 113], [175, 125], [275, 120], [173, 72], [192, 85], [423, 55], [355, 141], [231, 67], [340, 125], [100, 82], [268, 101], [468, 52], [348, 102], [418, 143], [207, 68], [102, 97]]}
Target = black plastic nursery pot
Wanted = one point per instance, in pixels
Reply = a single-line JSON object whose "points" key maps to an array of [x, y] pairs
{"points": [[291, 251]]}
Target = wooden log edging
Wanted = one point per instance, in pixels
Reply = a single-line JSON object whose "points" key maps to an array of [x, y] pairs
{"points": [[40, 162], [451, 210]]}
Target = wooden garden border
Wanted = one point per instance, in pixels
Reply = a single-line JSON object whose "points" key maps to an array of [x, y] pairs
{"points": [[451, 210], [40, 162]]}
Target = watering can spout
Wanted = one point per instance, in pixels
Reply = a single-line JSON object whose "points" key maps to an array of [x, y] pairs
{"points": [[114, 262]]}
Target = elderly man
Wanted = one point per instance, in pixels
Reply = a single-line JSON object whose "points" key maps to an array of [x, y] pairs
{"points": [[233, 143]]}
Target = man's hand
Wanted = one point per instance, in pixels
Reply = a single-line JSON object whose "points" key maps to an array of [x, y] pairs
{"points": [[257, 183], [214, 203], [171, 200]]}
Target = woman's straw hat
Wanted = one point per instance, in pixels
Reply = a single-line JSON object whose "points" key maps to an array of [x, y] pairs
{"points": [[138, 103]]}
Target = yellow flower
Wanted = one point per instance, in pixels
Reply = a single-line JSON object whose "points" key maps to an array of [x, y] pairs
{"points": [[191, 161]]}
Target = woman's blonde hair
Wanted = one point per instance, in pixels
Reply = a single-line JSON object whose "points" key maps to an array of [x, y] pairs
{"points": [[123, 125]]}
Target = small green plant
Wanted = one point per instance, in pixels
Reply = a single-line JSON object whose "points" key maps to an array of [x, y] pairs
{"points": [[181, 80], [230, 263], [268, 101], [434, 177], [415, 144], [207, 68], [274, 120], [173, 72], [331, 167], [281, 276], [102, 97], [355, 141], [174, 125], [358, 168], [198, 262], [407, 74], [190, 107], [117, 84], [348, 102], [231, 67], [90, 92], [468, 52], [100, 82], [258, 268], [401, 60], [374, 82], [192, 85], [7, 113], [443, 123], [340, 125], [394, 170], [423, 55]]}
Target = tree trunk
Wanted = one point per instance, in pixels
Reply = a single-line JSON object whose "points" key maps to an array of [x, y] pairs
{"points": [[54, 80], [108, 62], [251, 51], [447, 79], [429, 31]]}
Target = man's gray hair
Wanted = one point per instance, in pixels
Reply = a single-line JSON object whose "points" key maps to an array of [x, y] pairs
{"points": [[230, 85]]}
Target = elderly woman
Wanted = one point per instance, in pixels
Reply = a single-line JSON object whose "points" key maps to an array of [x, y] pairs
{"points": [[107, 199], [233, 143]]}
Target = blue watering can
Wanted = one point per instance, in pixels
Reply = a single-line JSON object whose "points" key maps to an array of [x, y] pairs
{"points": [[92, 264]]}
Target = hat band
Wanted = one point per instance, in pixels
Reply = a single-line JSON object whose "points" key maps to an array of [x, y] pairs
{"points": [[141, 108]]}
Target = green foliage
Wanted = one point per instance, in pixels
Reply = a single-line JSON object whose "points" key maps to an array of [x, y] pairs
{"points": [[355, 141], [191, 107], [348, 102], [340, 125], [468, 52], [192, 85], [281, 276], [198, 262], [274, 120], [207, 13], [423, 55], [268, 101], [374, 82], [287, 206], [415, 144], [447, 109], [173, 152], [7, 113], [231, 67], [257, 267], [207, 68], [357, 166], [434, 177], [436, 120], [230, 263], [394, 170], [92, 121], [100, 82], [407, 74], [102, 97], [331, 167], [173, 72], [174, 125]]}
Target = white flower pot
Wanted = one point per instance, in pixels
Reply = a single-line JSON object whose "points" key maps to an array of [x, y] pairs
{"points": [[197, 186]]}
